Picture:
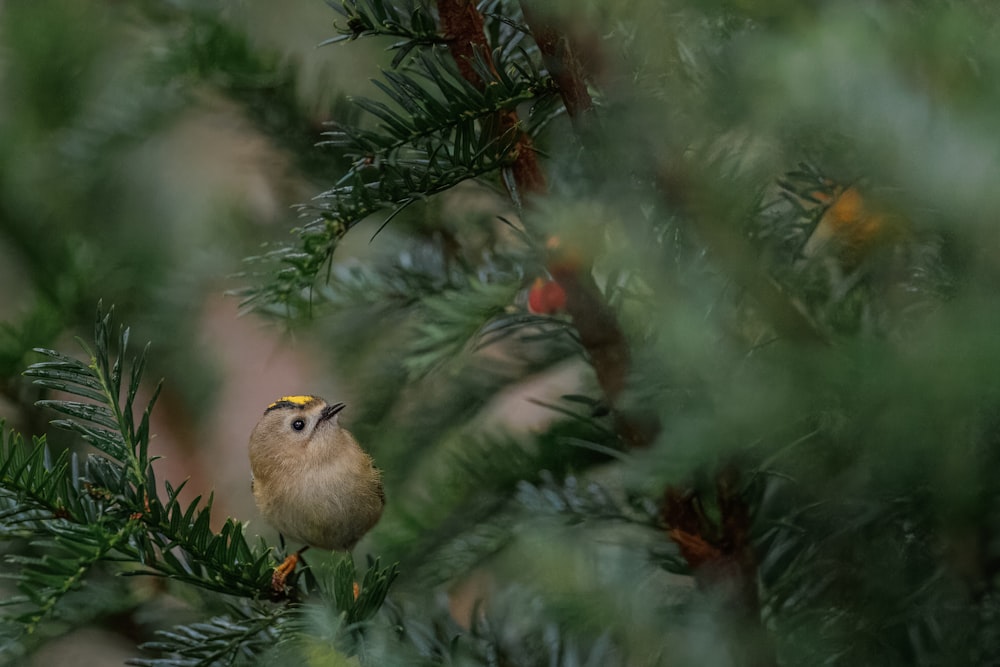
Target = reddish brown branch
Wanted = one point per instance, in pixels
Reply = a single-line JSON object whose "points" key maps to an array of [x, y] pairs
{"points": [[603, 339], [598, 327], [462, 25], [721, 557], [561, 61], [600, 333]]}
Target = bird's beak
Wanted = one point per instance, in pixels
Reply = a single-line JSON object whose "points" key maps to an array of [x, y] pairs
{"points": [[330, 411]]}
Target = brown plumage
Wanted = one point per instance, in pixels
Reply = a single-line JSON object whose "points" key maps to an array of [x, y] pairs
{"points": [[311, 479]]}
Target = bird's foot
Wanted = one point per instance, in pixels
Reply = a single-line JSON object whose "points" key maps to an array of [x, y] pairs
{"points": [[281, 574]]}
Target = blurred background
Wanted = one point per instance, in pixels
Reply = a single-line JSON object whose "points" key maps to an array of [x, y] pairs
{"points": [[147, 149]]}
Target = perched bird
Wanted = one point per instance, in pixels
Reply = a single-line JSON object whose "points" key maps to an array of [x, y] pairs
{"points": [[310, 478]]}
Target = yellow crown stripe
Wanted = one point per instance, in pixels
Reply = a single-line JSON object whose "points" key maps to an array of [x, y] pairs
{"points": [[294, 400]]}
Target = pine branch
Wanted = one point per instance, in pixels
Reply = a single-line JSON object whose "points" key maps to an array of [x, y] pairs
{"points": [[410, 21], [357, 603], [71, 553], [577, 502], [452, 319], [245, 633], [399, 185], [222, 561], [48, 498], [252, 630], [463, 25], [436, 104], [453, 128], [411, 159], [111, 511]]}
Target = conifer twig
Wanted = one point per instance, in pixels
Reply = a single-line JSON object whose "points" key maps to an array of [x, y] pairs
{"points": [[463, 26], [722, 560], [600, 333], [603, 339]]}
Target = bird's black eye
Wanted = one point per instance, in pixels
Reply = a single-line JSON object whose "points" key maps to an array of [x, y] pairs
{"points": [[298, 424]]}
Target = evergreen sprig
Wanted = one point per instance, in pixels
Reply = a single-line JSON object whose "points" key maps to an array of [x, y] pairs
{"points": [[358, 602], [346, 609], [575, 500], [437, 103], [436, 131], [452, 319], [108, 509], [222, 640], [410, 21], [69, 520]]}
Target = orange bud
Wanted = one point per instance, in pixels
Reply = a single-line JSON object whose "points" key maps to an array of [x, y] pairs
{"points": [[851, 225]]}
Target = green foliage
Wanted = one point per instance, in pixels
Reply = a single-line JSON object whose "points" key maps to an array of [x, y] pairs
{"points": [[815, 482], [222, 640], [438, 132], [451, 319], [411, 22], [113, 508], [209, 49], [109, 509]]}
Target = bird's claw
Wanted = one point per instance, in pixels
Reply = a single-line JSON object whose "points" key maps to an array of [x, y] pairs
{"points": [[281, 573]]}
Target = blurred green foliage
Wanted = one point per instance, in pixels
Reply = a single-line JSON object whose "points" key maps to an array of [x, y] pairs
{"points": [[853, 388]]}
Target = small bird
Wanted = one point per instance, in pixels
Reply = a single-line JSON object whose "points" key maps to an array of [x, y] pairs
{"points": [[310, 478]]}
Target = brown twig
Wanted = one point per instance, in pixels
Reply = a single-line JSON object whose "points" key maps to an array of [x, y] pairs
{"points": [[600, 333], [561, 61], [722, 560], [462, 25], [598, 327], [603, 339]]}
